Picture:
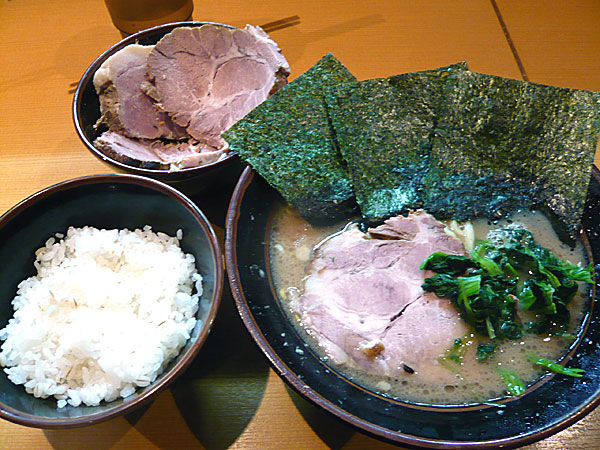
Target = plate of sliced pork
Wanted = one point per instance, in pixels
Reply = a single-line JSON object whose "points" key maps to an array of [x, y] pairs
{"points": [[157, 102]]}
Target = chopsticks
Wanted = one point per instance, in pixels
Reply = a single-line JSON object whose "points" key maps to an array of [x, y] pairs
{"points": [[281, 23]]}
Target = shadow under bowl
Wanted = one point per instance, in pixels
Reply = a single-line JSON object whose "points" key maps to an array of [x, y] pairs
{"points": [[86, 112], [113, 201]]}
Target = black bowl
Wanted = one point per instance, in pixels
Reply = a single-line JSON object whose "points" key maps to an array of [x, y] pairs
{"points": [[86, 112], [553, 405], [102, 201]]}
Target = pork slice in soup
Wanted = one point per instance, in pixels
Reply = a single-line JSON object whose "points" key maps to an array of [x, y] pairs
{"points": [[357, 300], [364, 301]]}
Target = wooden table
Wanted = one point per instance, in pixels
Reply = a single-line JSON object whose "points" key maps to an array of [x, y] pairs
{"points": [[230, 397]]}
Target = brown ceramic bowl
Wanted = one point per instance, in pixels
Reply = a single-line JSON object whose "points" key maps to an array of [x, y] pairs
{"points": [[86, 112], [102, 201]]}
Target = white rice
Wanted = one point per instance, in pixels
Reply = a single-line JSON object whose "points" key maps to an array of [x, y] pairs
{"points": [[104, 315]]}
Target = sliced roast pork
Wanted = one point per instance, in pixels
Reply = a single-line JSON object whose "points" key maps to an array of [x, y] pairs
{"points": [[207, 78], [363, 300], [124, 106], [156, 154]]}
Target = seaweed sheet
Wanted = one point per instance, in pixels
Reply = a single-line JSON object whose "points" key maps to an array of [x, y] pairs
{"points": [[432, 86], [289, 141], [506, 144], [384, 128]]}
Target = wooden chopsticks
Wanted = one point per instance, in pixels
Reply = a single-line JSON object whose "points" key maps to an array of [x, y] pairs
{"points": [[281, 23]]}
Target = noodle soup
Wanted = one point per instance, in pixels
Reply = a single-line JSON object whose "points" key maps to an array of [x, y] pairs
{"points": [[470, 382]]}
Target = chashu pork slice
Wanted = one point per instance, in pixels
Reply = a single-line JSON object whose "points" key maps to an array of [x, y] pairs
{"points": [[364, 304], [157, 154], [207, 78], [125, 107]]}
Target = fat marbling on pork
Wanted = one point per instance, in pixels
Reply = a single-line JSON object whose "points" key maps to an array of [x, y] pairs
{"points": [[207, 78]]}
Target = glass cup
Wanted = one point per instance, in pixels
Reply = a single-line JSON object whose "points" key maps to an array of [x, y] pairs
{"points": [[130, 16]]}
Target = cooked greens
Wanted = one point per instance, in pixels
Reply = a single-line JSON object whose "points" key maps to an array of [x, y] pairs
{"points": [[458, 350], [485, 351], [509, 272], [441, 262], [452, 359], [557, 368], [505, 274], [483, 300], [513, 383]]}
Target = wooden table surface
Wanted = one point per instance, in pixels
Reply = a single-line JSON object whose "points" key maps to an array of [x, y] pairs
{"points": [[230, 397]]}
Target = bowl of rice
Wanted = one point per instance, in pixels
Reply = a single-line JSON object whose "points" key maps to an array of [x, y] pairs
{"points": [[110, 286]]}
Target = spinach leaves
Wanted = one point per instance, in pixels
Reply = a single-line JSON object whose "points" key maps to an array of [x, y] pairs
{"points": [[505, 275], [509, 272], [513, 383]]}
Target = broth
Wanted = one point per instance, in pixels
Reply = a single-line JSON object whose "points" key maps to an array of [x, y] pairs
{"points": [[291, 244]]}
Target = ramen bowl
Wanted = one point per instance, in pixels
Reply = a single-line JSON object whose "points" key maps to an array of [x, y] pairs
{"points": [[548, 407]]}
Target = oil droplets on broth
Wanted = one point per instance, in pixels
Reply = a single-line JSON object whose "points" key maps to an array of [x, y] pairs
{"points": [[291, 250]]}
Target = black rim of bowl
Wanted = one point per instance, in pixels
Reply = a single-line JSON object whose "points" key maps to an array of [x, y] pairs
{"points": [[149, 394], [301, 386], [87, 78]]}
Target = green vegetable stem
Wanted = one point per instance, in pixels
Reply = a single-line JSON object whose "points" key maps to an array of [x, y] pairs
{"points": [[555, 367], [514, 385]]}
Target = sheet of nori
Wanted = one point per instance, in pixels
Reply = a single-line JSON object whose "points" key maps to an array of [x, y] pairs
{"points": [[384, 128], [505, 145], [289, 141], [432, 86]]}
